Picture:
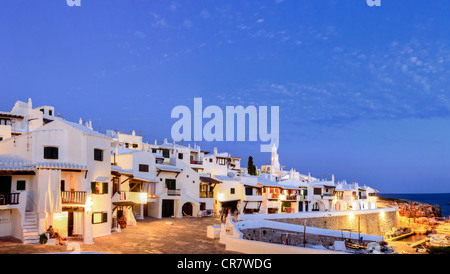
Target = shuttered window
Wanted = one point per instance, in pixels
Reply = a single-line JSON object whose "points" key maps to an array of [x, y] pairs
{"points": [[99, 217], [51, 153], [99, 188], [98, 154]]}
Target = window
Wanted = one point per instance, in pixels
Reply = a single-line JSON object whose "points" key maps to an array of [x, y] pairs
{"points": [[98, 154], [51, 153], [221, 161], [232, 191], [127, 145], [99, 188], [180, 156], [171, 184], [1, 139], [99, 217], [153, 150], [50, 112], [165, 153], [317, 191], [210, 160], [63, 185], [143, 168], [248, 191], [135, 145], [20, 185], [42, 110], [202, 206]]}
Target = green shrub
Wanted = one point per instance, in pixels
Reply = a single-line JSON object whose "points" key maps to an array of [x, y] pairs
{"points": [[43, 239], [439, 250]]}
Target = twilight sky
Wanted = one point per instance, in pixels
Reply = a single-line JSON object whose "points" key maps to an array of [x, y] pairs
{"points": [[363, 91]]}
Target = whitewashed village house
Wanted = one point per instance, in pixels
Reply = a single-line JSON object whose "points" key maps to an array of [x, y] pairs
{"points": [[133, 170], [62, 171], [82, 182]]}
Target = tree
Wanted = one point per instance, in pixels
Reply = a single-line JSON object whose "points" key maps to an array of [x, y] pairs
{"points": [[251, 168]]}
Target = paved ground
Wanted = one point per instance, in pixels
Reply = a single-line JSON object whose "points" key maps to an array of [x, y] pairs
{"points": [[150, 236]]}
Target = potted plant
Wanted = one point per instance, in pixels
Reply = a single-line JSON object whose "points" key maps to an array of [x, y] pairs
{"points": [[43, 239]]}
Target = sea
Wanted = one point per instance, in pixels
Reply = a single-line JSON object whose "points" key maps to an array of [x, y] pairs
{"points": [[441, 199]]}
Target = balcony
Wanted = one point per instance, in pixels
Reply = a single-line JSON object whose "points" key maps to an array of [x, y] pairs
{"points": [[253, 198], [128, 196], [73, 197], [173, 192], [9, 199], [206, 194], [291, 197]]}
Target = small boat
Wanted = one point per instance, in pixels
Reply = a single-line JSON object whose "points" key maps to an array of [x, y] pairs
{"points": [[351, 245]]}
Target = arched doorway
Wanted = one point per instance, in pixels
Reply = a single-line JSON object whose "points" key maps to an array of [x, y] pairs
{"points": [[187, 209]]}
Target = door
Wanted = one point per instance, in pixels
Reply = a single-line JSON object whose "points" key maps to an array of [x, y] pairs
{"points": [[5, 184], [187, 209], [167, 208], [70, 224]]}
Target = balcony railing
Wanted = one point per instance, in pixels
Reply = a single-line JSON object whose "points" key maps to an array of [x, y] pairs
{"points": [[136, 197], [9, 199], [174, 192], [206, 194], [73, 197], [196, 162], [291, 197]]}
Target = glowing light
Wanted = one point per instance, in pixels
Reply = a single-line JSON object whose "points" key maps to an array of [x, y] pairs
{"points": [[143, 197], [89, 204], [221, 196], [351, 216], [382, 214]]}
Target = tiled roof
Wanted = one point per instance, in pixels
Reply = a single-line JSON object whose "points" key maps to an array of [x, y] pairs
{"points": [[59, 165], [165, 167], [224, 178], [83, 128], [14, 163]]}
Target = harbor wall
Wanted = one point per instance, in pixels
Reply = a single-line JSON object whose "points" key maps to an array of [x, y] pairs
{"points": [[373, 222]]}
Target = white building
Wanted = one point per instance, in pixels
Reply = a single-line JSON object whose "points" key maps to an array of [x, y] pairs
{"points": [[67, 181]]}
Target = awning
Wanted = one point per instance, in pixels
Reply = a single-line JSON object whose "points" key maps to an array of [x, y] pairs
{"points": [[124, 203], [102, 179], [120, 170], [168, 168], [209, 180]]}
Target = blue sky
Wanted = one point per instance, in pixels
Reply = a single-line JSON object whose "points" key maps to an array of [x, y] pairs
{"points": [[363, 91]]}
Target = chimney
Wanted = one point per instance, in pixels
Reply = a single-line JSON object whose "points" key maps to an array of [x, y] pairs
{"points": [[133, 133], [30, 103], [215, 151], [80, 121]]}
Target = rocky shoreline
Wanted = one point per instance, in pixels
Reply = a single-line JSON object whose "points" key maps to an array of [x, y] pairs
{"points": [[413, 209], [416, 217]]}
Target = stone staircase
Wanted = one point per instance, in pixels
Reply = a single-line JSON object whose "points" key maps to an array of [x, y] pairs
{"points": [[30, 229]]}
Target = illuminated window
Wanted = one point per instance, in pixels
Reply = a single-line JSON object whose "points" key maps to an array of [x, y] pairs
{"points": [[99, 217]]}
